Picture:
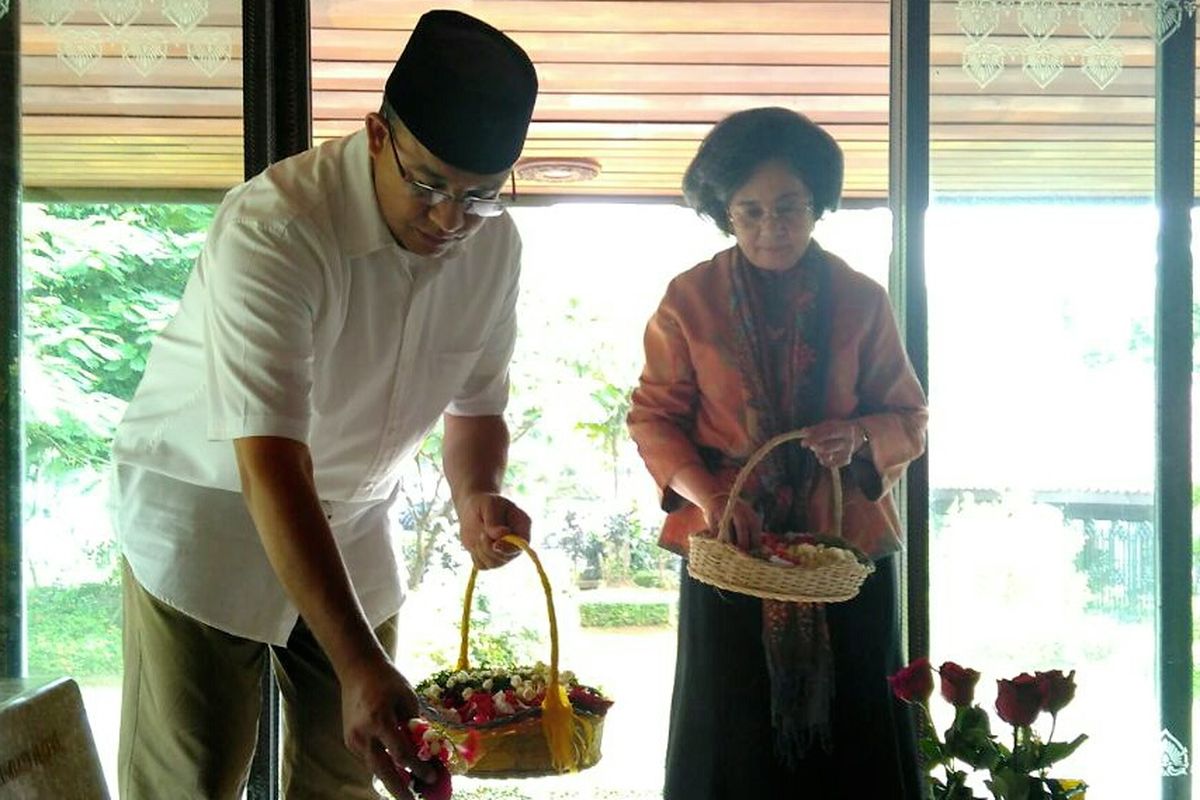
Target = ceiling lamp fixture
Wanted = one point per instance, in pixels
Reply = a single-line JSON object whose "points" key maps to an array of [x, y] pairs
{"points": [[557, 170]]}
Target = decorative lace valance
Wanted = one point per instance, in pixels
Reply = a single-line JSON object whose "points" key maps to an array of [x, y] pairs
{"points": [[143, 47], [1041, 57]]}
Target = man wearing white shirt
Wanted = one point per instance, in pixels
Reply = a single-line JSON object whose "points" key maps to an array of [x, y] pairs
{"points": [[345, 299]]}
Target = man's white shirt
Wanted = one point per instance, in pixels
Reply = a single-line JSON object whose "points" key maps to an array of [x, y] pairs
{"points": [[304, 319]]}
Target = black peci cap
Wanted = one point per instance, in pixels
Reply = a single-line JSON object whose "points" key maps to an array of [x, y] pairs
{"points": [[465, 91]]}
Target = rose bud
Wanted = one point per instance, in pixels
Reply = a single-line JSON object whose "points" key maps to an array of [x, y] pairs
{"points": [[958, 684], [1019, 701], [1057, 689], [914, 683]]}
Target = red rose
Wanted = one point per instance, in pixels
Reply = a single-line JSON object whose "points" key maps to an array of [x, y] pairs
{"points": [[958, 684], [1019, 701], [1056, 689], [914, 683]]}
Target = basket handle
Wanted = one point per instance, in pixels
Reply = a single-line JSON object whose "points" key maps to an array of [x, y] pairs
{"points": [[464, 661], [758, 455]]}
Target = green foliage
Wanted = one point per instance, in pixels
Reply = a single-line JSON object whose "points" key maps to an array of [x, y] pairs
{"points": [[650, 579], [623, 615], [99, 282], [490, 645], [970, 739], [624, 552], [608, 430], [586, 549], [75, 630], [630, 548]]}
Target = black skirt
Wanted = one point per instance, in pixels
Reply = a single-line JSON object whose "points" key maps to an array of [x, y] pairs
{"points": [[721, 746]]}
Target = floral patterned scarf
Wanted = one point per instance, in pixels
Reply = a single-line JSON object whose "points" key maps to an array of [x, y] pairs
{"points": [[782, 324]]}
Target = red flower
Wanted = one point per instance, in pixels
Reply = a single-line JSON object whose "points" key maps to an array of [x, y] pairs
{"points": [[468, 748], [438, 788], [914, 683], [479, 708], [958, 684], [588, 699], [1056, 689], [1019, 701]]}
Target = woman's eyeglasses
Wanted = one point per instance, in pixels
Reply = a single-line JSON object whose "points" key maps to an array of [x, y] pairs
{"points": [[752, 215], [475, 206]]}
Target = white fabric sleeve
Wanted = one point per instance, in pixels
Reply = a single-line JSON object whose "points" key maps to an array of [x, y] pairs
{"points": [[263, 284]]}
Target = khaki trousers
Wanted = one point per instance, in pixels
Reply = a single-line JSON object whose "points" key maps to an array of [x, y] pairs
{"points": [[190, 709]]}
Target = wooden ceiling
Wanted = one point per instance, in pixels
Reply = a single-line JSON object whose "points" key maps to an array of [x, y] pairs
{"points": [[633, 84]]}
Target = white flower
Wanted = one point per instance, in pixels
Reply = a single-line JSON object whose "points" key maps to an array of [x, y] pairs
{"points": [[526, 693], [467, 692], [487, 684], [502, 704]]}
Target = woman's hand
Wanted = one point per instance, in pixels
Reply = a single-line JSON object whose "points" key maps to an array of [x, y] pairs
{"points": [[835, 441], [745, 525]]}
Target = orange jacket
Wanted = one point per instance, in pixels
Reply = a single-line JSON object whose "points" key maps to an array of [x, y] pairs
{"points": [[691, 394]]}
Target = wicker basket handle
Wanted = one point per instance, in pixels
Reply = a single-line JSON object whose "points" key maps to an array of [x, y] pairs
{"points": [[744, 474], [464, 662]]}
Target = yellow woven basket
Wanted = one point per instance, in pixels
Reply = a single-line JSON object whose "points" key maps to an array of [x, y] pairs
{"points": [[723, 565], [549, 740]]}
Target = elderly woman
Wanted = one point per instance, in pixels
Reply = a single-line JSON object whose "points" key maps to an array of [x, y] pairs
{"points": [[780, 700]]}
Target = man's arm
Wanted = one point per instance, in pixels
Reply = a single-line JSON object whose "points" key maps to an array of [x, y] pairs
{"points": [[278, 485], [474, 455]]}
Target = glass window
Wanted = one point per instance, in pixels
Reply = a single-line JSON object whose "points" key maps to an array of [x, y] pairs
{"points": [[1041, 254], [131, 126]]}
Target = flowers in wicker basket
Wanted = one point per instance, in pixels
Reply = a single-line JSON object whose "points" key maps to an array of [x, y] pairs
{"points": [[808, 550], [1013, 773], [486, 694]]}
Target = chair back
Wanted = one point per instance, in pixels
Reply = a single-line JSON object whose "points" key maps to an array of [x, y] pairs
{"points": [[46, 746]]}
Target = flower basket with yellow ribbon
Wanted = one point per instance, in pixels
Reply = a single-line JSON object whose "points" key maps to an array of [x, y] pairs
{"points": [[530, 721], [801, 567]]}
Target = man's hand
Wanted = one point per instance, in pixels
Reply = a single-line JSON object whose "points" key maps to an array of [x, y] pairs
{"points": [[485, 518], [377, 703]]}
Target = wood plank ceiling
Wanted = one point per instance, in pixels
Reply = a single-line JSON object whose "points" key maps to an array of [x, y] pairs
{"points": [[633, 84]]}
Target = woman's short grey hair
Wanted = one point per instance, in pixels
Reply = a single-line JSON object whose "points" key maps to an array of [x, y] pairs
{"points": [[739, 144]]}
